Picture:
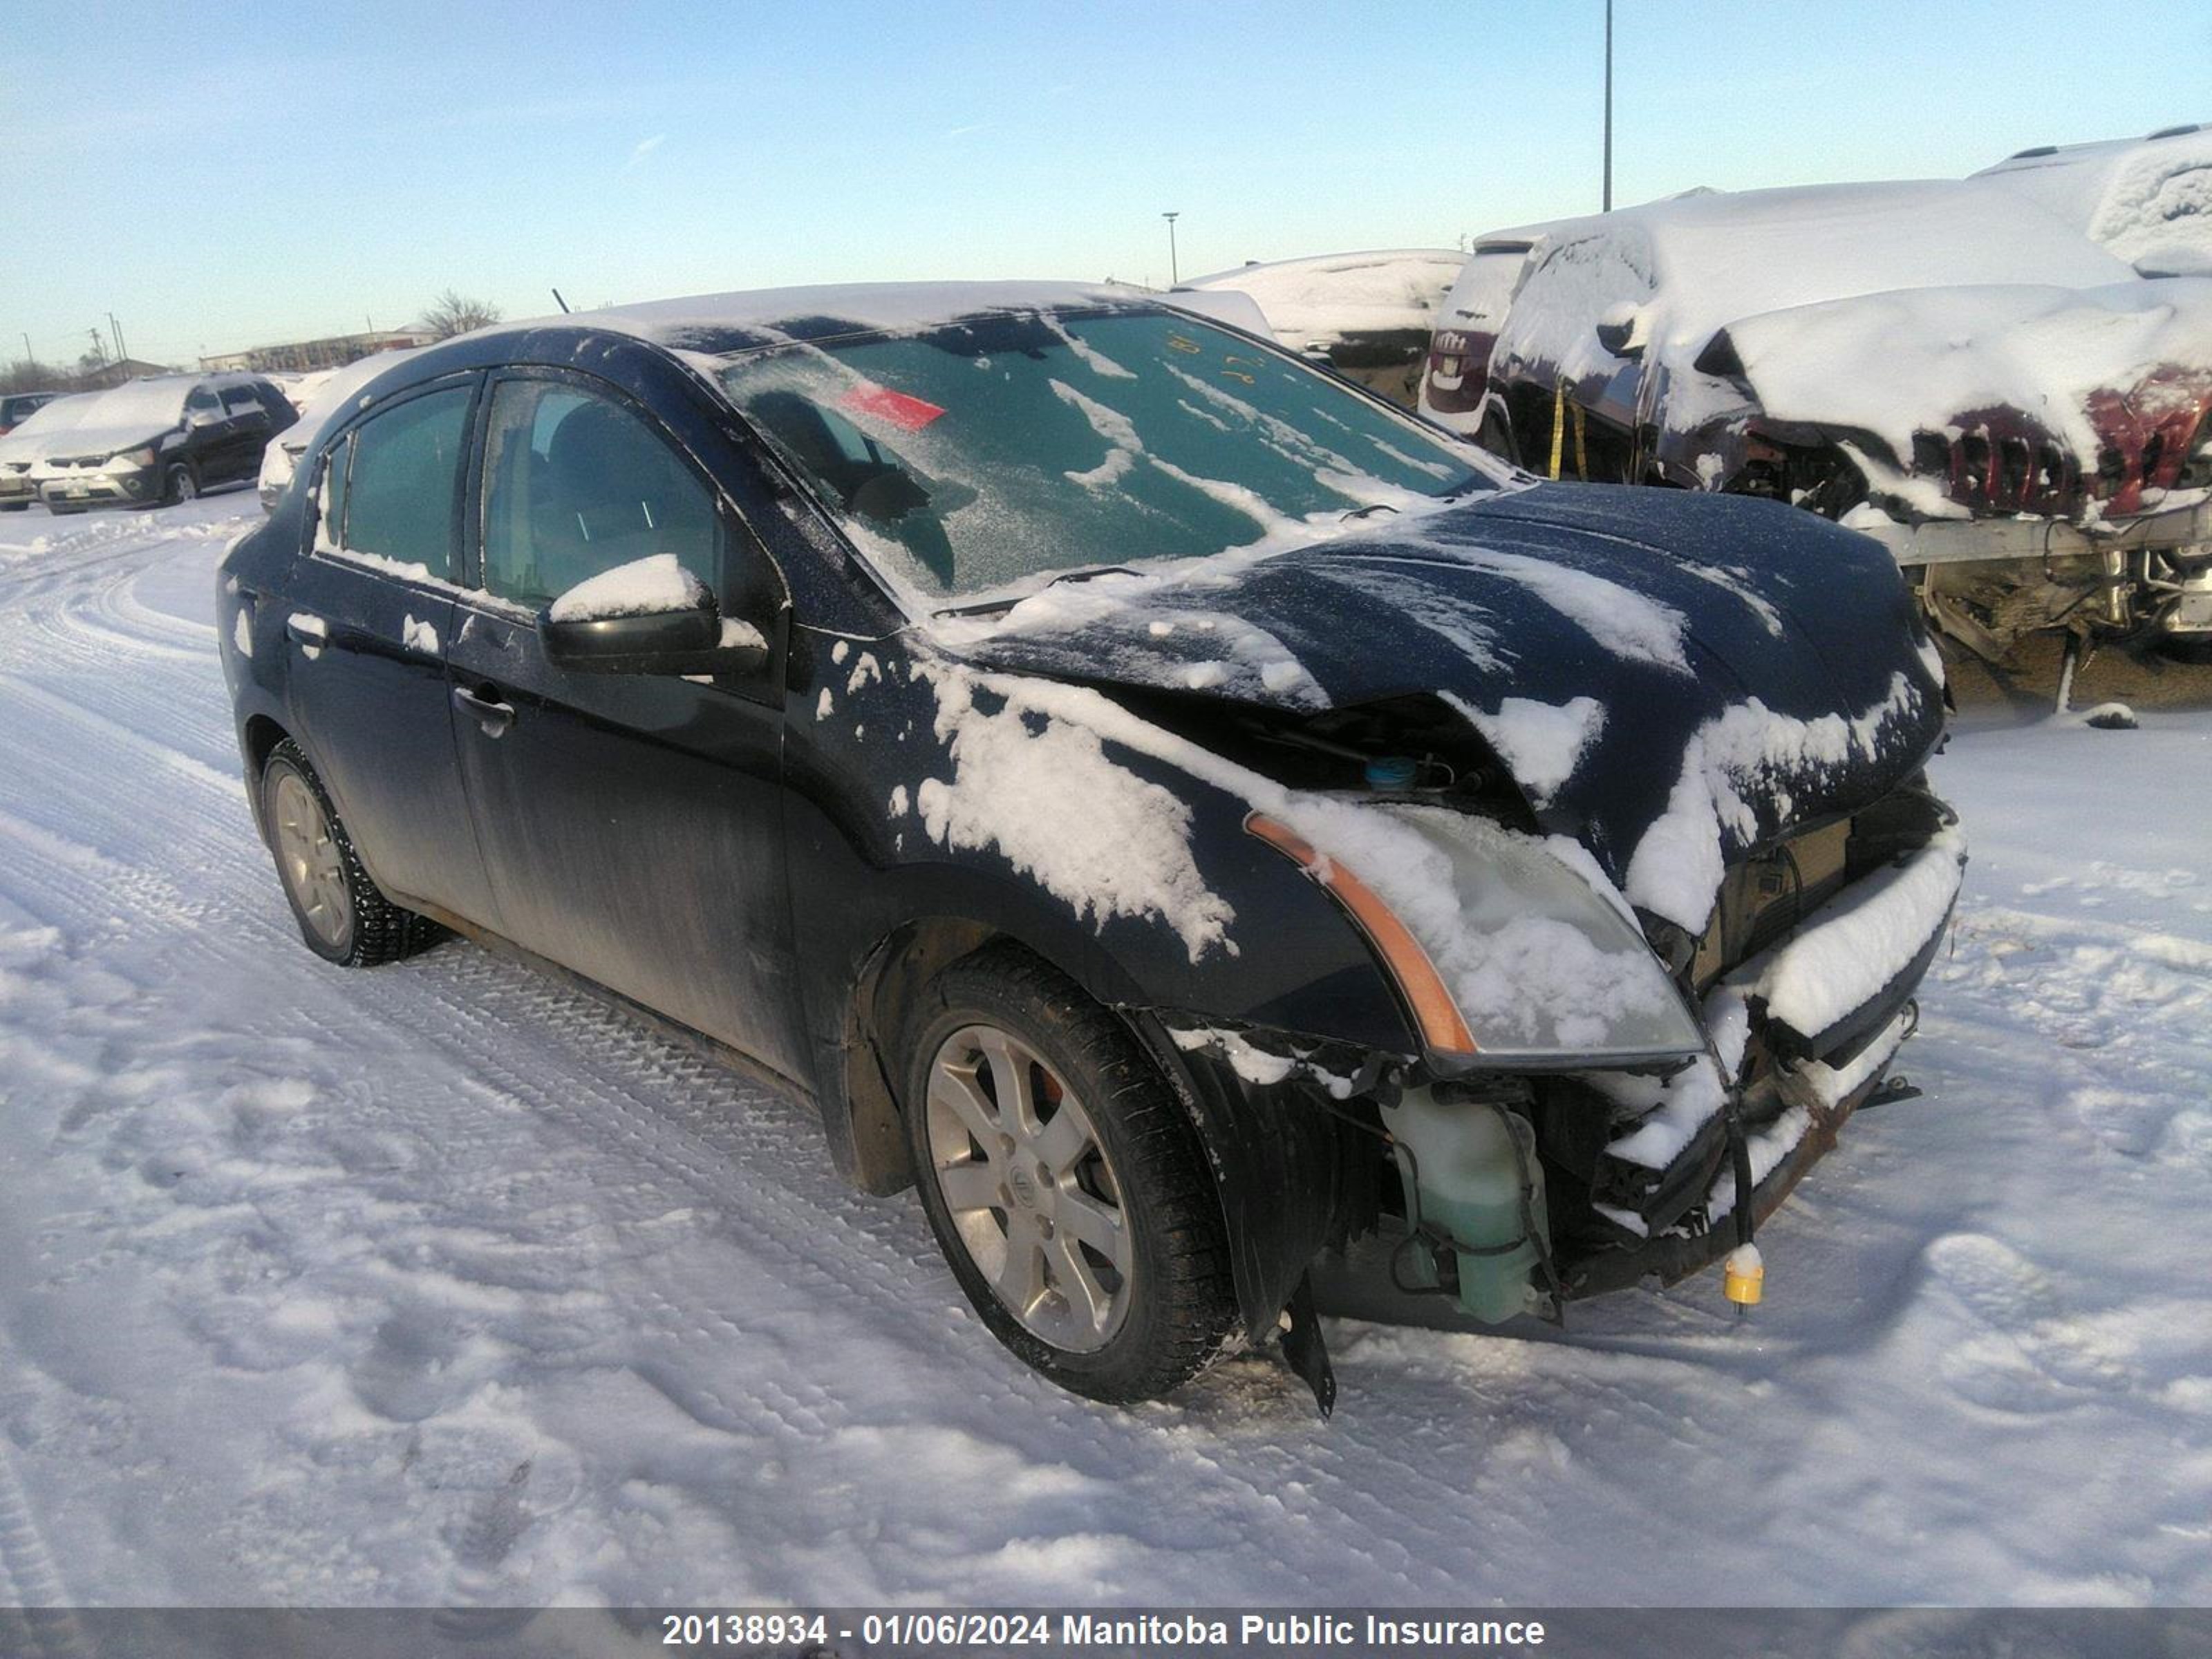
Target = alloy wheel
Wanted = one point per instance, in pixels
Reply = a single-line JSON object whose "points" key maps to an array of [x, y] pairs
{"points": [[315, 868], [1034, 1200]]}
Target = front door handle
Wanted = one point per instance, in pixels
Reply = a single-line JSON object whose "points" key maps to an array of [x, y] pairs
{"points": [[488, 711]]}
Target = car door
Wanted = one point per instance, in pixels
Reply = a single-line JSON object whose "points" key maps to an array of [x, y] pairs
{"points": [[246, 431], [632, 824], [370, 609]]}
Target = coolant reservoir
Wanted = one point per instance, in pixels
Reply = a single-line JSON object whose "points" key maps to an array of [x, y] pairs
{"points": [[1471, 1172]]}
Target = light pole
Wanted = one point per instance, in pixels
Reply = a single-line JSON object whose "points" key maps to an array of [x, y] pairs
{"points": [[1174, 275], [1607, 207]]}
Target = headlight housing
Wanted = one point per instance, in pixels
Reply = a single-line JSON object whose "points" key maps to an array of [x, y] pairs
{"points": [[1539, 969], [129, 459]]}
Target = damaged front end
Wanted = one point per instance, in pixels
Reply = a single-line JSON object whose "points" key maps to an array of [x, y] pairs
{"points": [[1465, 1190]]}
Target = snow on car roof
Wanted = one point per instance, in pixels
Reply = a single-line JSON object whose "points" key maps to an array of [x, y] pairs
{"points": [[1321, 298], [891, 306], [2145, 199], [1720, 255]]}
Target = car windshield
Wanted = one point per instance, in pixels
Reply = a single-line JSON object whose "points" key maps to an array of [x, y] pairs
{"points": [[1003, 448]]}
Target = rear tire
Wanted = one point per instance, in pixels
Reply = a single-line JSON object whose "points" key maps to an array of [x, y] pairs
{"points": [[1066, 1185], [15, 506], [343, 914]]}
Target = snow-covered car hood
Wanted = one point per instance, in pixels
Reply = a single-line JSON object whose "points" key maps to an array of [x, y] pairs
{"points": [[2076, 361], [105, 440], [33, 445], [1670, 679]]}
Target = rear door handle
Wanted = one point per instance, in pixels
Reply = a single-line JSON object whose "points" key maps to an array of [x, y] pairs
{"points": [[489, 712]]}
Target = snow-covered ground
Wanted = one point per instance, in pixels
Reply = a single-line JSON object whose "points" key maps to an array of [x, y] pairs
{"points": [[443, 1284]]}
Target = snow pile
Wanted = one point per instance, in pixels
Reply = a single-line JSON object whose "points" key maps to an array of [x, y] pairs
{"points": [[1747, 751], [646, 586], [1816, 980], [1044, 792], [1315, 303], [418, 636]]}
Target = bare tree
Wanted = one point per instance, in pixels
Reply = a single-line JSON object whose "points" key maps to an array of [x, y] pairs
{"points": [[28, 375], [452, 314]]}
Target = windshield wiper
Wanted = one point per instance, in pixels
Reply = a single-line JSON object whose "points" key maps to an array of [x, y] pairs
{"points": [[984, 607]]}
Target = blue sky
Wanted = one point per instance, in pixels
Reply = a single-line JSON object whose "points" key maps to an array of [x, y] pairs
{"points": [[261, 174]]}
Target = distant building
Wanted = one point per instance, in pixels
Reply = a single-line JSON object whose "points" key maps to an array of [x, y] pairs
{"points": [[334, 352], [115, 374]]}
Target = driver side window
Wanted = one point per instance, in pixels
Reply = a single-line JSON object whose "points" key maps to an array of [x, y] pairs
{"points": [[576, 485]]}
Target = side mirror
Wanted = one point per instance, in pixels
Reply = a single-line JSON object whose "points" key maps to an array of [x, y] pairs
{"points": [[1619, 339], [691, 639], [1622, 331]]}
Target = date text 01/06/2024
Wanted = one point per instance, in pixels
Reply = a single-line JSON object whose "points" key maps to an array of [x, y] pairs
{"points": [[952, 1631]]}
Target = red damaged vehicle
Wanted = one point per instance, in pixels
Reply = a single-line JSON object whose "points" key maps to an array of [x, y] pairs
{"points": [[2016, 412]]}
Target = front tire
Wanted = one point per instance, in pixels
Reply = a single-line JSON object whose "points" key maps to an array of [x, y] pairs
{"points": [[1066, 1187], [178, 484], [343, 914]]}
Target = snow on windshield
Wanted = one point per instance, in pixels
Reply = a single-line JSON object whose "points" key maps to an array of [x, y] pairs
{"points": [[151, 404], [978, 456]]}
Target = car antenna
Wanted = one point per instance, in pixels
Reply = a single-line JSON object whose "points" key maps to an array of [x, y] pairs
{"points": [[560, 302]]}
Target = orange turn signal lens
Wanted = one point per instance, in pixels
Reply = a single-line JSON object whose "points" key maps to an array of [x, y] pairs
{"points": [[1435, 1014]]}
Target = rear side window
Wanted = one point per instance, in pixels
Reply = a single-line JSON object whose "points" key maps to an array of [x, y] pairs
{"points": [[240, 400], [398, 492], [575, 485]]}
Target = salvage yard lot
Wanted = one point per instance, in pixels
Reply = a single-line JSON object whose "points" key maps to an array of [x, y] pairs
{"points": [[444, 1284]]}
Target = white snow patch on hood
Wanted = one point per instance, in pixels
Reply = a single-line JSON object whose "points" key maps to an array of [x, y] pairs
{"points": [[1222, 651], [1620, 620], [1540, 742]]}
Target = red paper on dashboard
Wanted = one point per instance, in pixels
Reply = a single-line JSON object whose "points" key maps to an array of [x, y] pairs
{"points": [[908, 414]]}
